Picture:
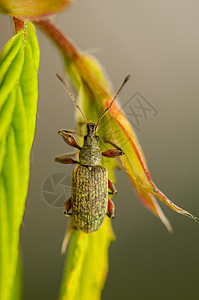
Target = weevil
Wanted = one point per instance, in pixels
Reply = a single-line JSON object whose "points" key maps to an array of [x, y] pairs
{"points": [[89, 202]]}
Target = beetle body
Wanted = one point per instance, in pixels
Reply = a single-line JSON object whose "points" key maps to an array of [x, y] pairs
{"points": [[89, 202], [89, 197]]}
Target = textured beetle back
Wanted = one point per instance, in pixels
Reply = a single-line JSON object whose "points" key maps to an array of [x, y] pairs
{"points": [[89, 197]]}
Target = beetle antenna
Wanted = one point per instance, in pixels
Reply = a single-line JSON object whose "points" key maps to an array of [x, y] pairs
{"points": [[71, 96], [108, 108]]}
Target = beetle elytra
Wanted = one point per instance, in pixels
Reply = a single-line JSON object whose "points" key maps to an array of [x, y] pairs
{"points": [[89, 202]]}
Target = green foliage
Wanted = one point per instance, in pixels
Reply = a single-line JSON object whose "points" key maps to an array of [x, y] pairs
{"points": [[87, 264], [17, 288], [19, 63]]}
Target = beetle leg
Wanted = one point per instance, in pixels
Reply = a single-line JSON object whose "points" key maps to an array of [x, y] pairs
{"points": [[64, 159], [67, 207], [111, 153], [110, 209], [68, 139], [117, 151], [112, 187]]}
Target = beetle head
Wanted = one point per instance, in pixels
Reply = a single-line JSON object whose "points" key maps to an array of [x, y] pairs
{"points": [[91, 139]]}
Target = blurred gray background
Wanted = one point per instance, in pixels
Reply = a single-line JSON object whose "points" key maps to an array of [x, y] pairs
{"points": [[158, 43]]}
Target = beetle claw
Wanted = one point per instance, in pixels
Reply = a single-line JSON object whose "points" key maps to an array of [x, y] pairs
{"points": [[67, 214], [111, 216]]}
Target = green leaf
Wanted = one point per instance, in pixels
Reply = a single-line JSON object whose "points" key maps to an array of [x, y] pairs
{"points": [[94, 95], [87, 264], [19, 62], [17, 289]]}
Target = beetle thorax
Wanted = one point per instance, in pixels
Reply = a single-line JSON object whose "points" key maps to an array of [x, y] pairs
{"points": [[90, 154]]}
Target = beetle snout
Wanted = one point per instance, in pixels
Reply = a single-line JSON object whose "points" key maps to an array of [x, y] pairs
{"points": [[91, 129]]}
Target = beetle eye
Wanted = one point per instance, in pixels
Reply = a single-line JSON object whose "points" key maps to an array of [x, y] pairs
{"points": [[97, 138]]}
